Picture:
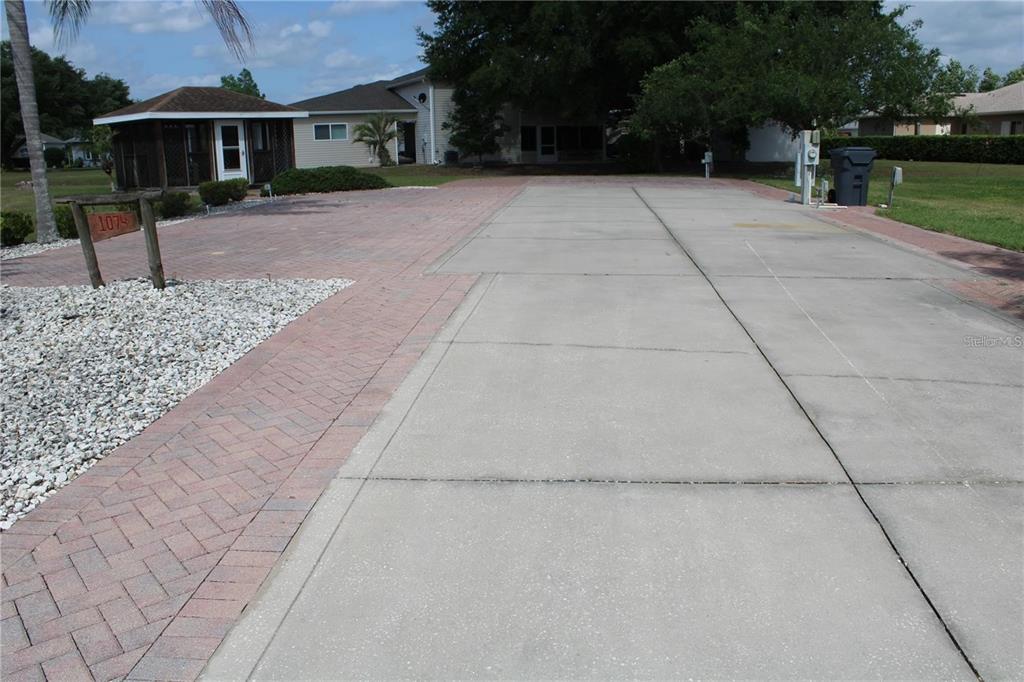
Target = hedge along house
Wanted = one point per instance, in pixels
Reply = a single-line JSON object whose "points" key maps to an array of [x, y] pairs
{"points": [[422, 108], [194, 134]]}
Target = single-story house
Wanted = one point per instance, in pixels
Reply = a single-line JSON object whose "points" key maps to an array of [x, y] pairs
{"points": [[20, 156], [79, 149], [194, 134], [997, 112], [422, 107]]}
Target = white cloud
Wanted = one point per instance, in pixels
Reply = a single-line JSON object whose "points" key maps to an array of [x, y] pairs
{"points": [[181, 16], [162, 82], [275, 45], [318, 28], [343, 58], [82, 54], [980, 33], [351, 7]]}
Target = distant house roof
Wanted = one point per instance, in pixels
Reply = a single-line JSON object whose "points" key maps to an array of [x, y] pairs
{"points": [[367, 97], [418, 75], [1008, 99], [196, 102], [47, 140]]}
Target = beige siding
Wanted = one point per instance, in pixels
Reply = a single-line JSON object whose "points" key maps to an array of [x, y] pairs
{"points": [[443, 107], [310, 153]]}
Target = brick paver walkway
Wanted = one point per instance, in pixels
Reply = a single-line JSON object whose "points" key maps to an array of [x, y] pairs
{"points": [[140, 566], [1001, 284]]}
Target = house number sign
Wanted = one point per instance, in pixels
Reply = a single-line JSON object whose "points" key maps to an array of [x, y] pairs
{"points": [[107, 225]]}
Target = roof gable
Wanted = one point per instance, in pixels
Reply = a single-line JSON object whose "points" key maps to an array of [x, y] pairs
{"points": [[367, 97], [200, 100]]}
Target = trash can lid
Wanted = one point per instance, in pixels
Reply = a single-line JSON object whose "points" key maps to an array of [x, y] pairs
{"points": [[854, 154]]}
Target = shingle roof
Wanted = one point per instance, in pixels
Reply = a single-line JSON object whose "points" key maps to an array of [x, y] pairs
{"points": [[1004, 100], [367, 97], [195, 99]]}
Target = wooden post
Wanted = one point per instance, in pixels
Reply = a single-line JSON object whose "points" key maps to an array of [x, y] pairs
{"points": [[156, 266], [88, 250]]}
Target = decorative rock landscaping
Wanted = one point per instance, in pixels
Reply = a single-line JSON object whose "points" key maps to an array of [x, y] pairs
{"points": [[84, 370]]}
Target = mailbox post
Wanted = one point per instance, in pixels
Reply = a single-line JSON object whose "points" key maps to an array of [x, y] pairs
{"points": [[108, 225]]}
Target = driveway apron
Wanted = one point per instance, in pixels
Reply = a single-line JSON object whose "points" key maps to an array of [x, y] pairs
{"points": [[674, 431]]}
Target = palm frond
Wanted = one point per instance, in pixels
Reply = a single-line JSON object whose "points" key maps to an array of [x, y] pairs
{"points": [[232, 23], [67, 17]]}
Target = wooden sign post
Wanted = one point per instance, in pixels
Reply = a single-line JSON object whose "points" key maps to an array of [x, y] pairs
{"points": [[97, 226]]}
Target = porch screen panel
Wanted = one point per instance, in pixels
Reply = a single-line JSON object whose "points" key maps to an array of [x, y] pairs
{"points": [[136, 156], [175, 155], [197, 146]]}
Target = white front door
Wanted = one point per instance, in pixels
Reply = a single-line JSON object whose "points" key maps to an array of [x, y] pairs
{"points": [[231, 157], [547, 152]]}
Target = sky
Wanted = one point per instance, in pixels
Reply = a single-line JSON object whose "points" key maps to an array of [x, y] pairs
{"points": [[305, 49]]}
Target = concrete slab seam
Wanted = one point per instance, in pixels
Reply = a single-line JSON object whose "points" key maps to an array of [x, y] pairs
{"points": [[792, 393]]}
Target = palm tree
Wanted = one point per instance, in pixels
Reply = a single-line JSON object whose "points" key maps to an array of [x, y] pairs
{"points": [[68, 17], [376, 133]]}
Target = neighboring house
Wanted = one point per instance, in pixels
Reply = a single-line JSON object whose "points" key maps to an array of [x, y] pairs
{"points": [[422, 107], [78, 149], [325, 137], [998, 112], [20, 157], [193, 134]]}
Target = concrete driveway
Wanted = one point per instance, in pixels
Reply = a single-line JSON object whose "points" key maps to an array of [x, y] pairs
{"points": [[675, 431]]}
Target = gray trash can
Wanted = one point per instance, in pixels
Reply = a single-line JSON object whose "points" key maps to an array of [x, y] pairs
{"points": [[851, 168]]}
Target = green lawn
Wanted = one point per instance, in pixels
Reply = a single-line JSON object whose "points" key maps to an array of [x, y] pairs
{"points": [[978, 201], [64, 182]]}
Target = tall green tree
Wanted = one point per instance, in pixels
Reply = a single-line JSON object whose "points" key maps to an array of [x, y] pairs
{"points": [[474, 125], [793, 63], [1014, 76], [243, 83], [376, 133], [67, 101], [954, 77], [990, 80], [68, 16], [558, 57]]}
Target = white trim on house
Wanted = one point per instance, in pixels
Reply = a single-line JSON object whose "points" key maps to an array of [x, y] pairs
{"points": [[433, 127], [193, 115], [362, 111]]}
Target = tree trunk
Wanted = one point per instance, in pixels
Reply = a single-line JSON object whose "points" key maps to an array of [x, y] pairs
{"points": [[21, 53]]}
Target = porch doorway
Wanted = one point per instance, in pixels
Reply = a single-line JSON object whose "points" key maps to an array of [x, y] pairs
{"points": [[547, 151], [231, 156], [407, 142]]}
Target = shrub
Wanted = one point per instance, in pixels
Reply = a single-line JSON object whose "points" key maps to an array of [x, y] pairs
{"points": [[220, 192], [65, 221], [960, 148], [325, 179], [174, 204], [15, 227], [54, 157]]}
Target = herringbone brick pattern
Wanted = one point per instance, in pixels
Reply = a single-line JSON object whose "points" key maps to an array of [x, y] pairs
{"points": [[138, 568]]}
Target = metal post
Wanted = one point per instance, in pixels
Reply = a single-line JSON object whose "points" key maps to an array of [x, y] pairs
{"points": [[156, 266], [88, 250]]}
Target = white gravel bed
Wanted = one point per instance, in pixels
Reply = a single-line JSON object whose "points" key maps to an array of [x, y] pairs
{"points": [[32, 248], [84, 370]]}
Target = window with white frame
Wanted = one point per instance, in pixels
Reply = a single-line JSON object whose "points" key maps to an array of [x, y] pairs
{"points": [[330, 131]]}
